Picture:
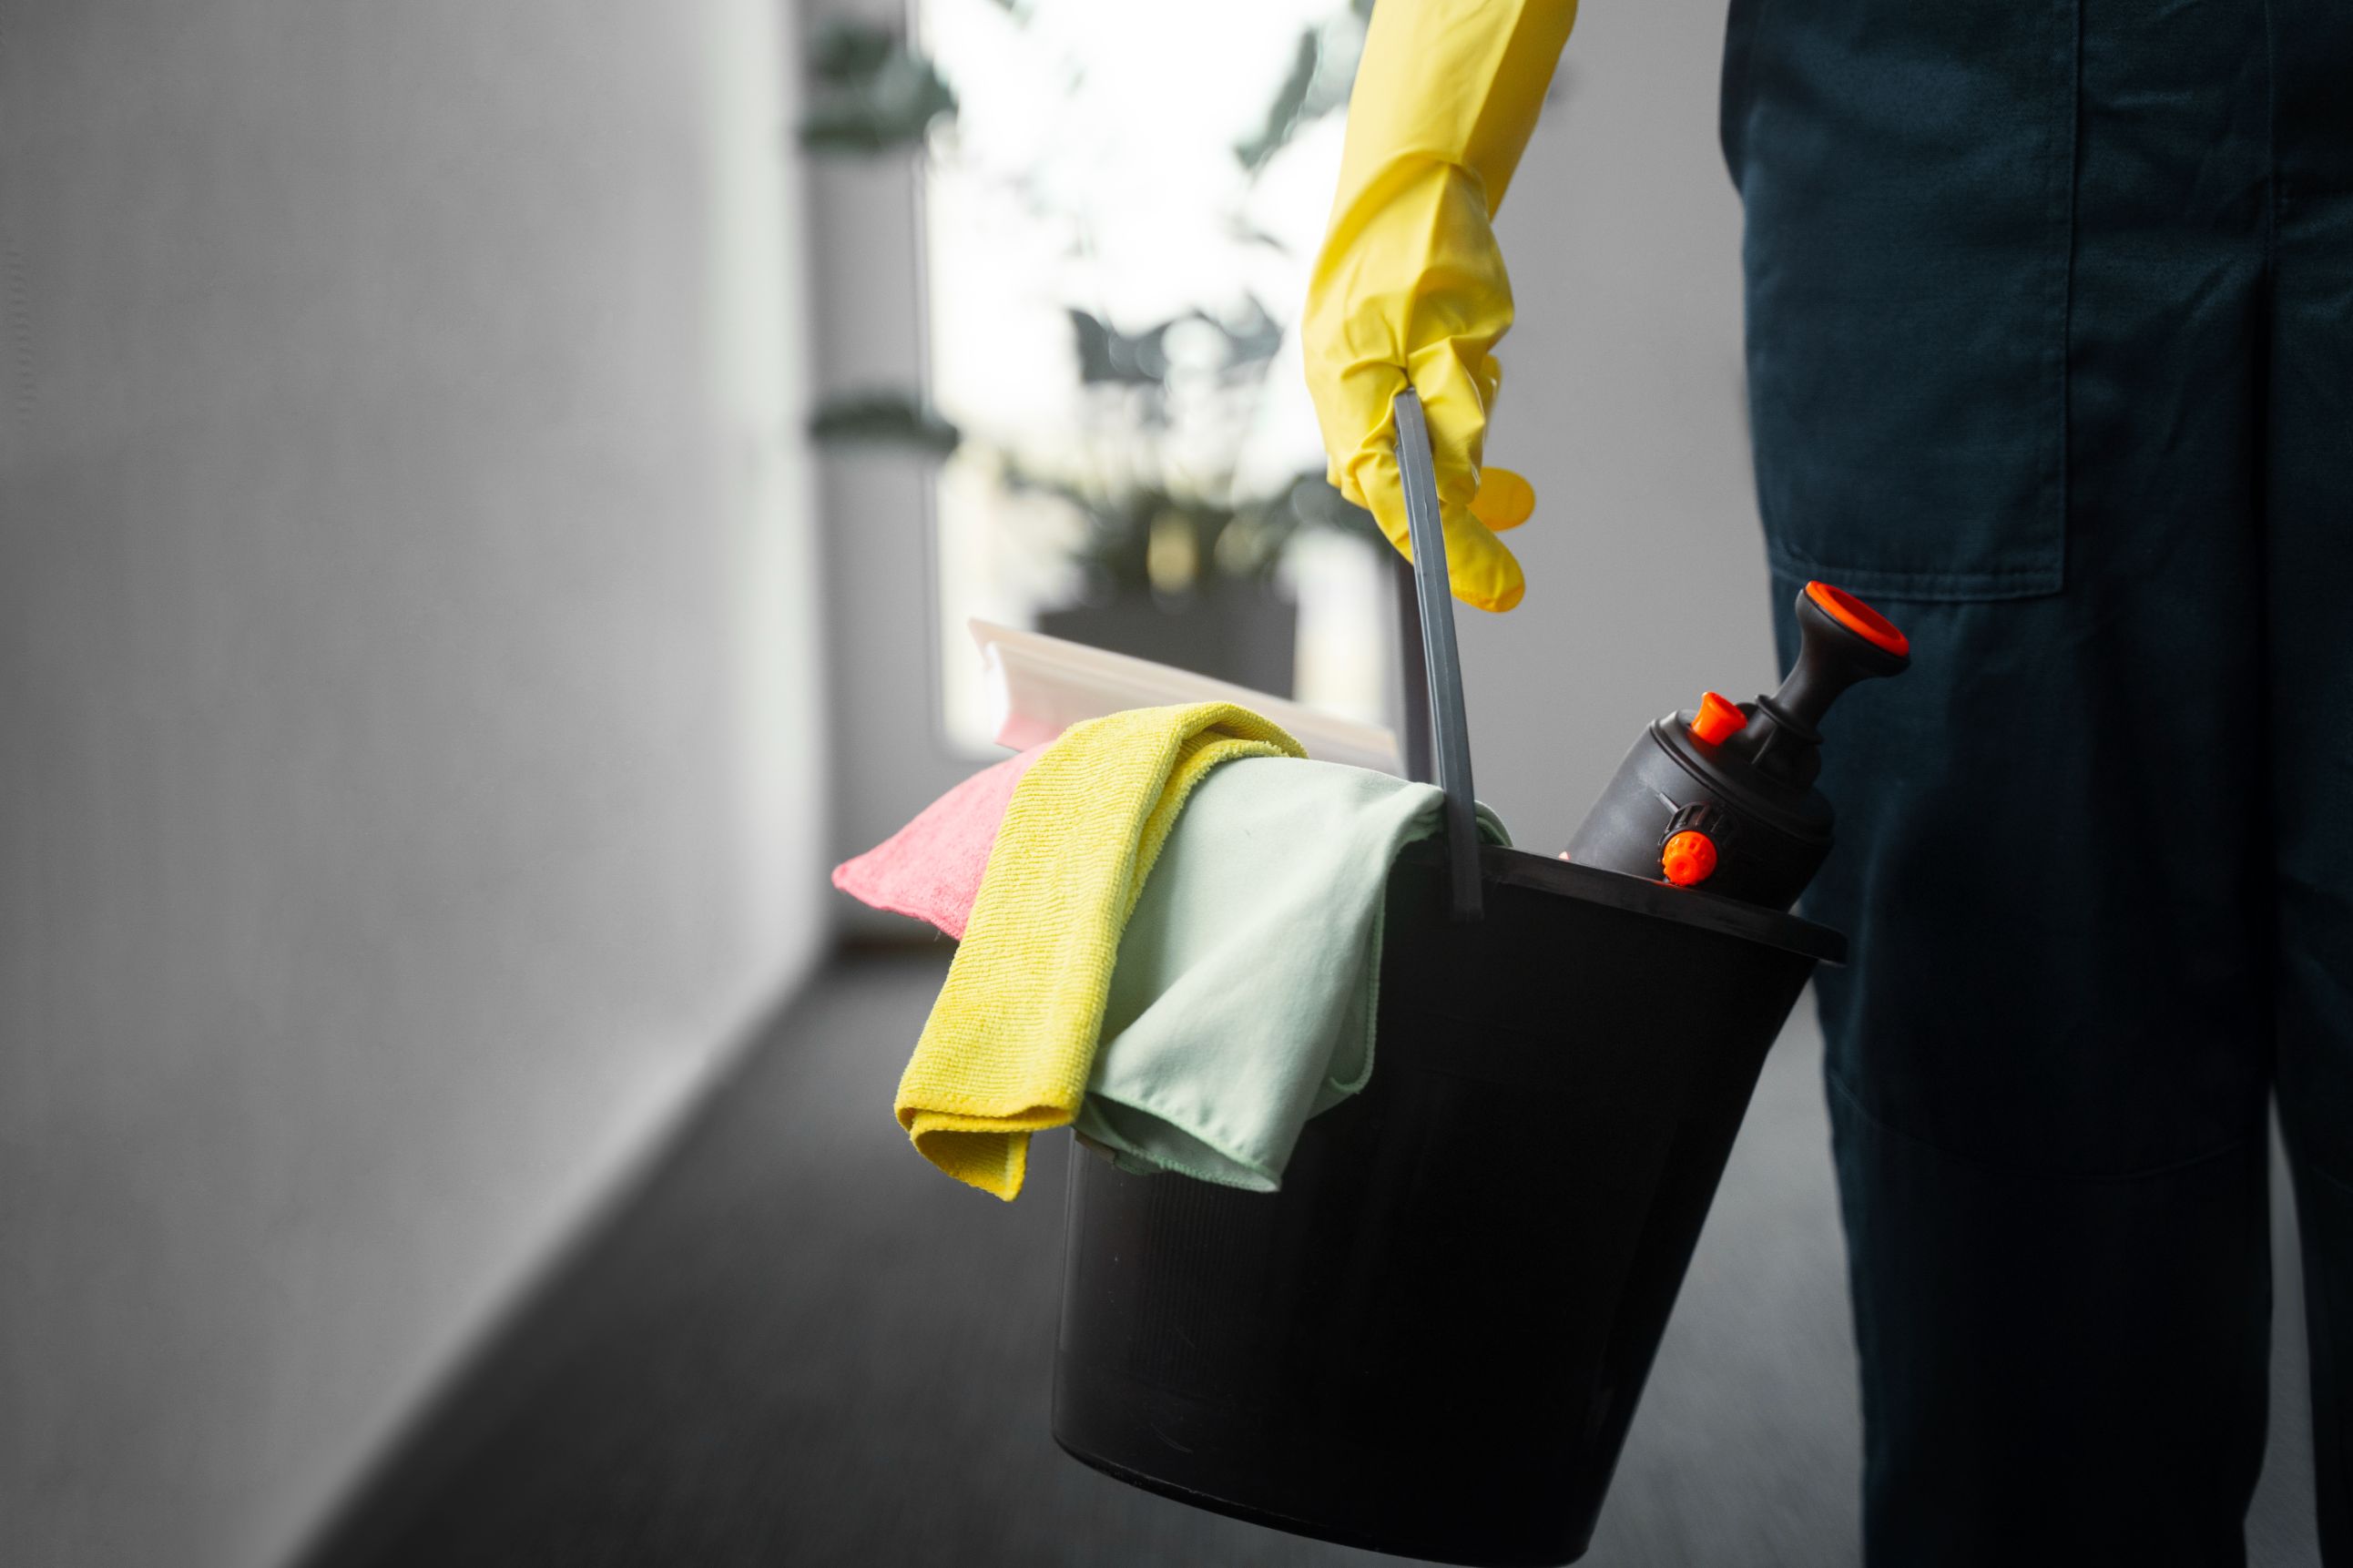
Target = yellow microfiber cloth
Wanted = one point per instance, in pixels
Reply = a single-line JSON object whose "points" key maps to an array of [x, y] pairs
{"points": [[1011, 1039]]}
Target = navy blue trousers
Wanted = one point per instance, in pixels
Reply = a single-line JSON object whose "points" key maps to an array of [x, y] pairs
{"points": [[2051, 356]]}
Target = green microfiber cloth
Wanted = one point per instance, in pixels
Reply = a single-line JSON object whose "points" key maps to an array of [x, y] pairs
{"points": [[1245, 991]]}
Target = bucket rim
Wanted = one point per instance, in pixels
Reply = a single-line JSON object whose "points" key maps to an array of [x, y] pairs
{"points": [[1504, 867]]}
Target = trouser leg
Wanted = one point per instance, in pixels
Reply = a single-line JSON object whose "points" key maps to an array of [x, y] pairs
{"points": [[2047, 1082], [2309, 562], [2050, 1060]]}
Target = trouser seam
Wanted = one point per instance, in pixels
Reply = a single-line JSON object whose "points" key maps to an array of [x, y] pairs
{"points": [[2014, 1173]]}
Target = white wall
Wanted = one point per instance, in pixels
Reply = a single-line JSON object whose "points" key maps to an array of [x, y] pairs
{"points": [[408, 764]]}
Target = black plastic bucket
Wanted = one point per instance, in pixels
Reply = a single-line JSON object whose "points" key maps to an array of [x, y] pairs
{"points": [[1432, 1340]]}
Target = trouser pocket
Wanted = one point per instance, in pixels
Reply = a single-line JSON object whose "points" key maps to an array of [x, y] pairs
{"points": [[1907, 172]]}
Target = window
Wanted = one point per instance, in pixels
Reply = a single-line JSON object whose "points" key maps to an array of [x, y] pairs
{"points": [[1120, 216]]}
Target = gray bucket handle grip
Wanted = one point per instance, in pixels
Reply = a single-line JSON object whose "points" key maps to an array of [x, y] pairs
{"points": [[1437, 724]]}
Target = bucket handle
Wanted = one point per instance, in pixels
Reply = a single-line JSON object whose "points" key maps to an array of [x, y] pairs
{"points": [[1437, 726]]}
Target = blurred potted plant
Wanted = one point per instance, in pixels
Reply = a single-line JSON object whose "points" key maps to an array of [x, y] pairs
{"points": [[1175, 552]]}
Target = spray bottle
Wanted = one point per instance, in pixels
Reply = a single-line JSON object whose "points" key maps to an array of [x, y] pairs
{"points": [[1722, 796]]}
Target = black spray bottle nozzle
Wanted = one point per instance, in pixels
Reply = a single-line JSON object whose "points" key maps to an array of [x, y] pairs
{"points": [[1842, 641]]}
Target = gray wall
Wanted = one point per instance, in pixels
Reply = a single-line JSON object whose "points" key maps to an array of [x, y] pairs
{"points": [[407, 692], [1624, 402]]}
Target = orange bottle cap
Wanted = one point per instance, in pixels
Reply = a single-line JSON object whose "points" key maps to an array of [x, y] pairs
{"points": [[1859, 618], [1717, 717], [1688, 858]]}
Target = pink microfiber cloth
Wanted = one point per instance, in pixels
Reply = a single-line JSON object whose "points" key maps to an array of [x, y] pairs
{"points": [[930, 869]]}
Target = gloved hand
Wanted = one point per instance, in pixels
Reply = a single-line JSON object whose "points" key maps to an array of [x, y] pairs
{"points": [[1410, 286]]}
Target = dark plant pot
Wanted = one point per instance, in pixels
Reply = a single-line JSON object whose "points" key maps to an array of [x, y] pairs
{"points": [[1236, 631]]}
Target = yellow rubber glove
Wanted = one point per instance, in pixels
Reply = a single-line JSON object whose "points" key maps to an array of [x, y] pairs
{"points": [[1410, 284]]}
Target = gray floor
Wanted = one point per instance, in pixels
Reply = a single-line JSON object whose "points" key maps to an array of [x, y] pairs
{"points": [[800, 1344]]}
